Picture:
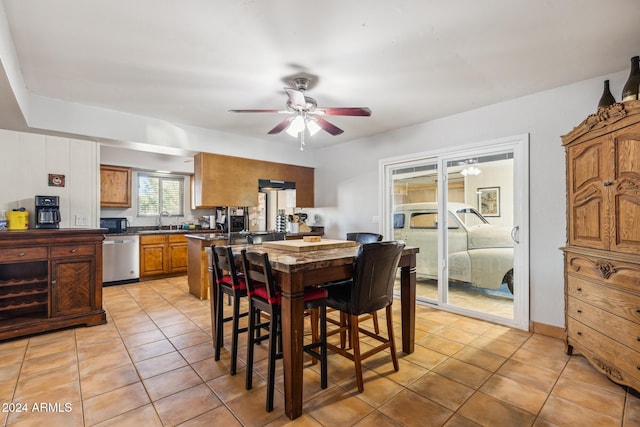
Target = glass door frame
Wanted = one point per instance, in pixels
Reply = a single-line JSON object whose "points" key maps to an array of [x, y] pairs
{"points": [[519, 145]]}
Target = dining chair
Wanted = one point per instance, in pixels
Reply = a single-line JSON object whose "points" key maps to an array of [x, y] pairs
{"points": [[226, 280], [366, 237], [265, 297], [369, 289], [254, 239]]}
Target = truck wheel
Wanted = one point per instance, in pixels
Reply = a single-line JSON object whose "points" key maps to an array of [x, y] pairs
{"points": [[508, 279]]}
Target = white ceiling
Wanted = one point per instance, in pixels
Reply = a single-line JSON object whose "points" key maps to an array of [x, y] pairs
{"points": [[410, 61]]}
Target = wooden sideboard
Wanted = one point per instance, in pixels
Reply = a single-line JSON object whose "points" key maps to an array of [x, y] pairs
{"points": [[602, 256], [50, 279]]}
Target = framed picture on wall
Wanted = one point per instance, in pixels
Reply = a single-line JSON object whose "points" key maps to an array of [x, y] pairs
{"points": [[489, 201]]}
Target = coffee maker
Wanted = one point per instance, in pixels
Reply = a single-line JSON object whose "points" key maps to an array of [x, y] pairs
{"points": [[47, 211]]}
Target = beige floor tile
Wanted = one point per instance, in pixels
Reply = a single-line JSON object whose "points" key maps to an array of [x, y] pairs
{"points": [[63, 414], [171, 382], [407, 374], [460, 421], [144, 416], [425, 357], [114, 403], [605, 401], [495, 346], [28, 385], [336, 406], [516, 393], [565, 413], [377, 419], [440, 344], [462, 372], [104, 361], [209, 368], [108, 380], [157, 365], [411, 409], [197, 352], [442, 390], [143, 338], [537, 377], [186, 405], [489, 411], [153, 349], [480, 358], [219, 416], [191, 338]]}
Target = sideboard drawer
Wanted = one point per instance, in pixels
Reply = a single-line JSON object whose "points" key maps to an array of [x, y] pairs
{"points": [[614, 272], [612, 300], [618, 361], [72, 250], [617, 328], [23, 254]]}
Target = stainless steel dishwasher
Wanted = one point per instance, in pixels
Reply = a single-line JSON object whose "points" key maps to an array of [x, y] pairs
{"points": [[120, 259]]}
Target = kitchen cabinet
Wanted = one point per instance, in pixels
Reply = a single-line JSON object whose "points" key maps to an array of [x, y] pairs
{"points": [[162, 255], [50, 279], [602, 256], [233, 181], [115, 187]]}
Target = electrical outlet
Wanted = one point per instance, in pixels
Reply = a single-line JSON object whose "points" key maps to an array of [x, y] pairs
{"points": [[81, 220]]}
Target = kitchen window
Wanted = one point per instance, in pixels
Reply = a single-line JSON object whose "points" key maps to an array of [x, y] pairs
{"points": [[160, 193]]}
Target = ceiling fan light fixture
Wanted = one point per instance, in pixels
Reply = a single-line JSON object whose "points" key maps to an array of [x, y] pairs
{"points": [[470, 171], [312, 127], [296, 126]]}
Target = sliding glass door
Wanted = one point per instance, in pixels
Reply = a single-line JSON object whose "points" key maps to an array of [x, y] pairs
{"points": [[467, 213]]}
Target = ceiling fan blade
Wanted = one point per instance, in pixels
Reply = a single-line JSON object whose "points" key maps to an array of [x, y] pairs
{"points": [[258, 111], [345, 111], [296, 98], [281, 126], [329, 127]]}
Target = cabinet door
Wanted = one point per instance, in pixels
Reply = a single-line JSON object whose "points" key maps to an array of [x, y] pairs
{"points": [[72, 286], [625, 189], [589, 172], [153, 259], [177, 245], [115, 187]]}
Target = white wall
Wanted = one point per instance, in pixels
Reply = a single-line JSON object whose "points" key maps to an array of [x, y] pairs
{"points": [[27, 159], [347, 185]]}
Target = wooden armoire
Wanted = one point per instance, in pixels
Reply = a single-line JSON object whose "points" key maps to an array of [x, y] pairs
{"points": [[602, 255]]}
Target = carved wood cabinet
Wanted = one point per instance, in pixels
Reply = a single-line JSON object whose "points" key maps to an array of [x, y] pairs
{"points": [[602, 256], [50, 279]]}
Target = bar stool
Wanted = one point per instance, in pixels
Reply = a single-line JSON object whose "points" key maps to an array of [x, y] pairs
{"points": [[228, 281], [267, 298]]}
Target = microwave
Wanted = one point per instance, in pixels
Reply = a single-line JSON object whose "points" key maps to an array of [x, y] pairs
{"points": [[114, 225]]}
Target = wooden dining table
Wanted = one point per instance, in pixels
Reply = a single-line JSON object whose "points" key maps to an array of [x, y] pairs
{"points": [[295, 270]]}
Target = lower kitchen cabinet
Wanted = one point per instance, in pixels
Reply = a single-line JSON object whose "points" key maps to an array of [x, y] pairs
{"points": [[50, 279], [162, 255]]}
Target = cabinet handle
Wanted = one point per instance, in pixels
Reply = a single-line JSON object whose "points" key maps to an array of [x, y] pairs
{"points": [[638, 310], [21, 254], [607, 183], [580, 333], [73, 251], [579, 289], [579, 311], [54, 281]]}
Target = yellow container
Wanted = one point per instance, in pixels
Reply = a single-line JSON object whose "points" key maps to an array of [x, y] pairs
{"points": [[17, 220]]}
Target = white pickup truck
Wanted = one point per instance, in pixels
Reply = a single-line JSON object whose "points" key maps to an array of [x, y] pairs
{"points": [[480, 254]]}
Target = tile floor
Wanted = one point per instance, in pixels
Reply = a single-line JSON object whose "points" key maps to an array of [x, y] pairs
{"points": [[152, 364]]}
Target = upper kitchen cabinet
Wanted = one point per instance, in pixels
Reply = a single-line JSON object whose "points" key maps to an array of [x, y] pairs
{"points": [[115, 187], [233, 181]]}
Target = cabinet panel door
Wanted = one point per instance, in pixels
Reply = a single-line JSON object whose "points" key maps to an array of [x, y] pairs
{"points": [[115, 187], [626, 193], [72, 285], [177, 257], [152, 260], [589, 168]]}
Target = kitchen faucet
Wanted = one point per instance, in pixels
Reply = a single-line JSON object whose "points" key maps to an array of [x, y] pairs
{"points": [[163, 213]]}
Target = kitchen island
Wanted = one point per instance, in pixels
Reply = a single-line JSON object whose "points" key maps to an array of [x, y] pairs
{"points": [[50, 279]]}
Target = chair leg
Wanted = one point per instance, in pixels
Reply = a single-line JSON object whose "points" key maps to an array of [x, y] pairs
{"points": [[376, 326], [271, 370], [315, 319], [253, 313], [323, 348], [392, 341], [218, 333], [234, 334], [354, 329]]}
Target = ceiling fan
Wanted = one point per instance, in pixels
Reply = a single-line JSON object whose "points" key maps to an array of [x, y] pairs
{"points": [[305, 114]]}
